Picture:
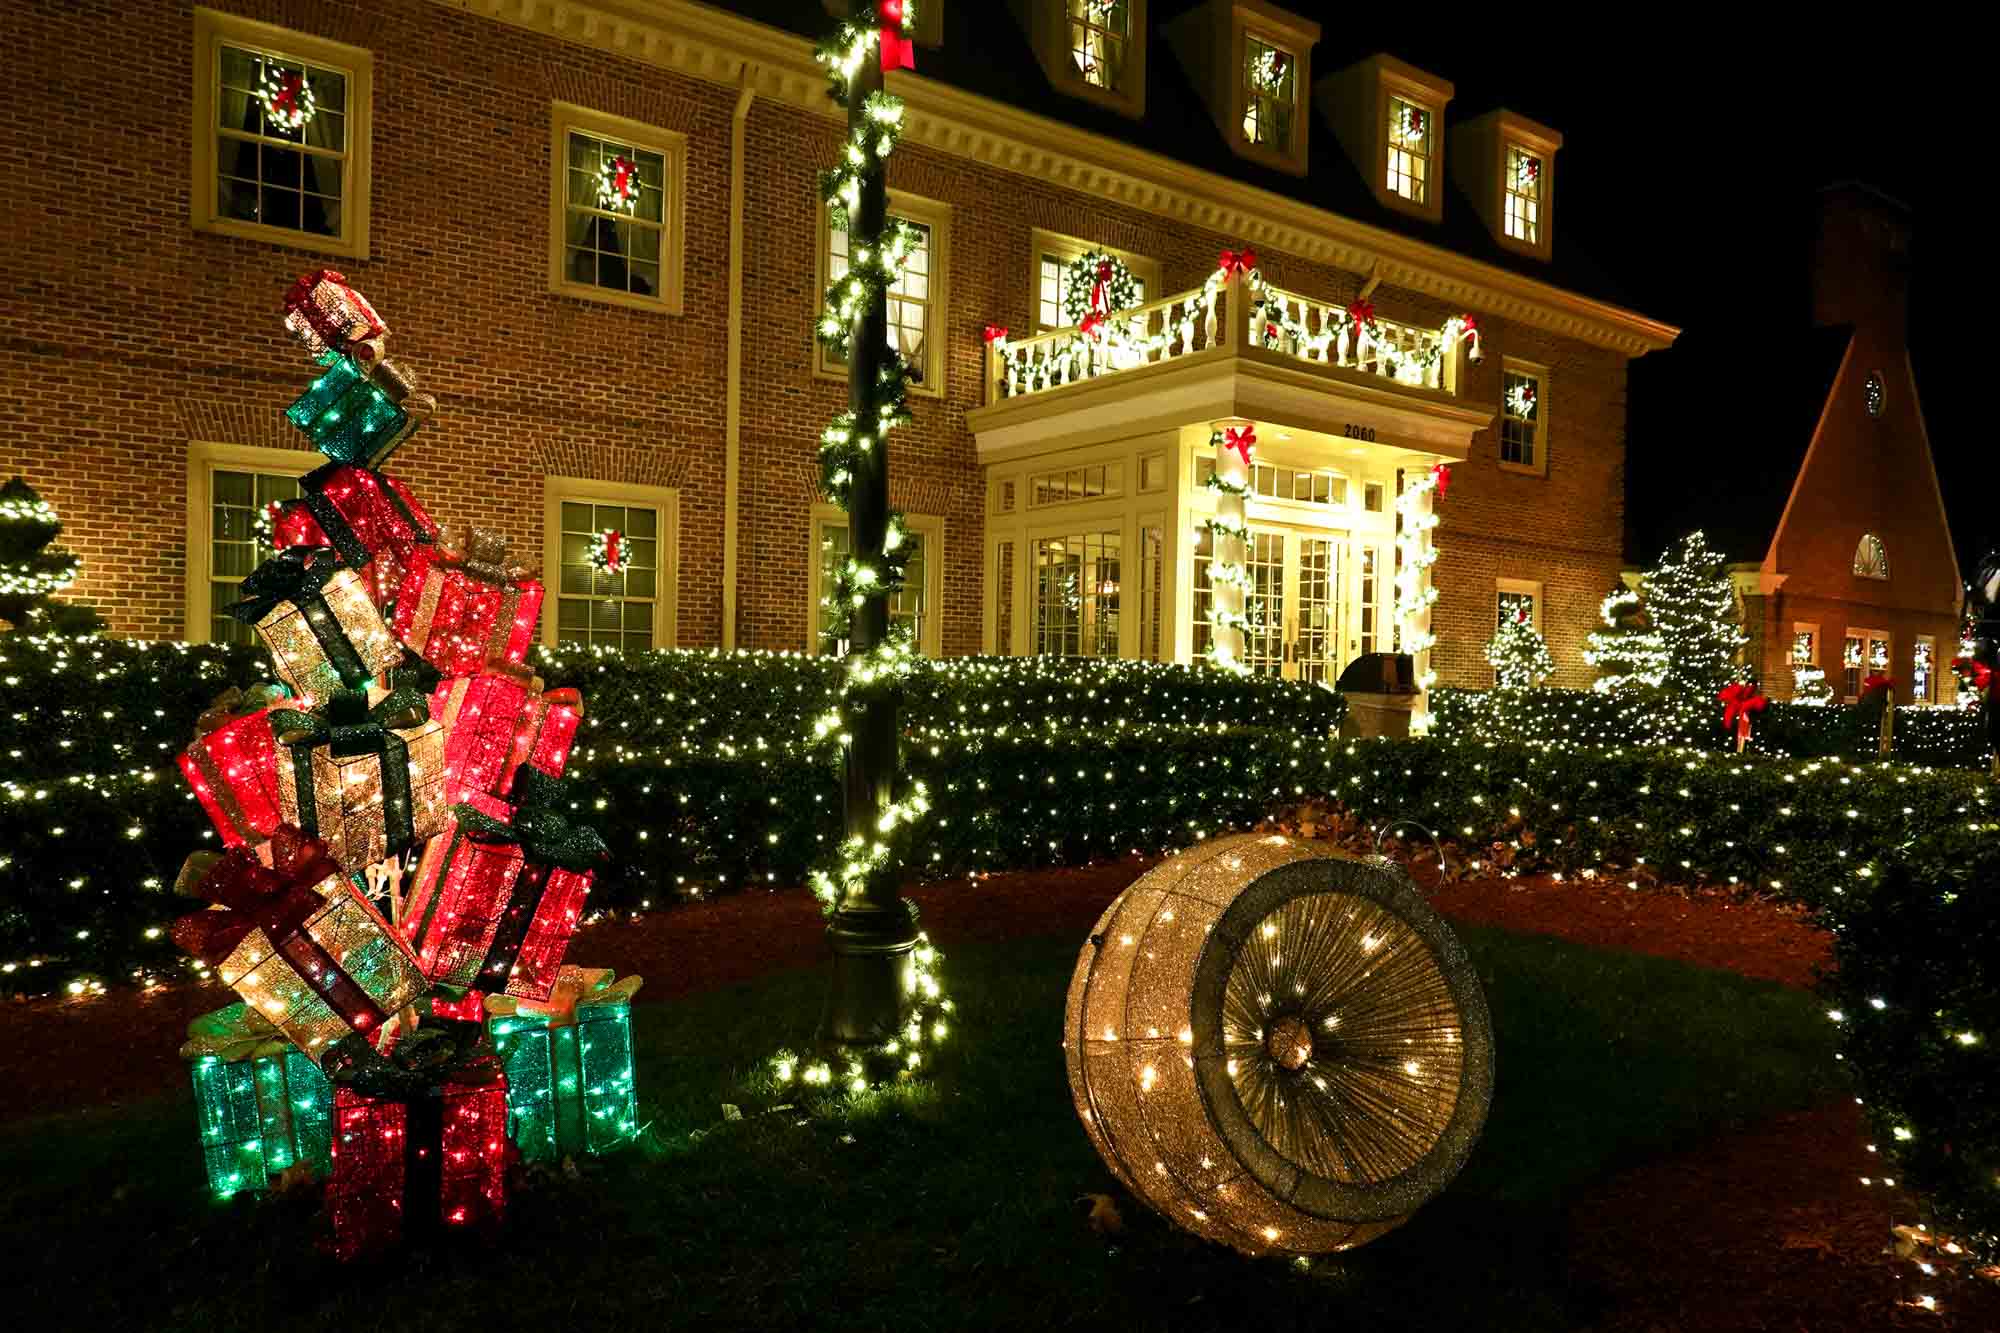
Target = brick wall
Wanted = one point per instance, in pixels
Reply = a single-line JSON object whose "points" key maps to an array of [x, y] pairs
{"points": [[127, 334]]}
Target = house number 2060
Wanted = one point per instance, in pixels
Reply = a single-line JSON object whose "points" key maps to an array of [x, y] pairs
{"points": [[1359, 433]]}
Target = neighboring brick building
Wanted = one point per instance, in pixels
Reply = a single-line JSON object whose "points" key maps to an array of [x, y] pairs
{"points": [[1838, 524], [652, 366]]}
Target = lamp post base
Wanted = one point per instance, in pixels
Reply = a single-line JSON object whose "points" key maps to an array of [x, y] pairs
{"points": [[867, 999]]}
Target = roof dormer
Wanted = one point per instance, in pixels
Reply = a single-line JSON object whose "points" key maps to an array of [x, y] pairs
{"points": [[1389, 116], [1506, 164], [1252, 64], [1092, 49]]}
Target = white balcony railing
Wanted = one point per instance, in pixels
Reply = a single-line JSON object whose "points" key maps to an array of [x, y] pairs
{"points": [[1274, 321]]}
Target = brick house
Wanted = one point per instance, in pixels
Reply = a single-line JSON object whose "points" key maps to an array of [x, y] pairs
{"points": [[1836, 524], [651, 367]]}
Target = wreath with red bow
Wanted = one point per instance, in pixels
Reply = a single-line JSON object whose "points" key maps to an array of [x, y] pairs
{"points": [[1097, 283]]}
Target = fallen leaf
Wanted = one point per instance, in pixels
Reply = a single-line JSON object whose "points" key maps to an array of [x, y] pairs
{"points": [[1104, 1219]]}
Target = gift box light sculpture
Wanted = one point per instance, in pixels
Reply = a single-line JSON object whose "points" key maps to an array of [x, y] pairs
{"points": [[366, 781], [316, 618], [570, 1087], [264, 1108], [498, 720], [463, 603], [1278, 1051], [233, 764], [432, 1161]]}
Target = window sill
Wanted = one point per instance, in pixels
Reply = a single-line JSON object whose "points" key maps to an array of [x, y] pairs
{"points": [[1525, 469], [1125, 104], [1287, 160], [1521, 247], [1426, 212], [668, 304], [838, 375], [351, 247]]}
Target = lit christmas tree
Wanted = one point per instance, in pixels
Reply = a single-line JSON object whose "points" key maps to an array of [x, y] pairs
{"points": [[1627, 651], [1692, 606], [1520, 659], [31, 570]]}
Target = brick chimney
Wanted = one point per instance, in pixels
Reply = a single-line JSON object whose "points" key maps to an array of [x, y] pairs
{"points": [[1861, 259]]}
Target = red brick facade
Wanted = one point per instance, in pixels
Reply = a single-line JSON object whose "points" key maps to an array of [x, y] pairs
{"points": [[127, 334]]}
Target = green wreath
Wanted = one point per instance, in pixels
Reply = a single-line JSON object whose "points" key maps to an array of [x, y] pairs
{"points": [[1121, 289]]}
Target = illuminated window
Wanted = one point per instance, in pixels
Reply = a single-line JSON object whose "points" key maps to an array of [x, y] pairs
{"points": [[1100, 34], [1522, 411], [633, 609], [616, 207], [282, 134], [1873, 395], [1524, 196], [1923, 671], [239, 503], [1411, 128], [1053, 286], [1076, 591], [1513, 599], [1805, 645], [1302, 485], [1270, 81], [1871, 558], [1096, 481], [915, 297], [1864, 653], [909, 608]]}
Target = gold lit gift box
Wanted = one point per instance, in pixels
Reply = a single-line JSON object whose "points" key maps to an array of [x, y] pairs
{"points": [[314, 615], [366, 781]]}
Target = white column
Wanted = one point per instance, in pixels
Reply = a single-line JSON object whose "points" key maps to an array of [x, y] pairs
{"points": [[1414, 593], [1228, 575]]}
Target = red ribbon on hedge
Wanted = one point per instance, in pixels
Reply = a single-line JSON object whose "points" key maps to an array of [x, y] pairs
{"points": [[1876, 681], [1739, 701], [1240, 263], [1241, 439], [897, 50]]}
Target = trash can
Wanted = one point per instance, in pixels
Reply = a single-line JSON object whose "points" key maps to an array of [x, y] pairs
{"points": [[1381, 694]]}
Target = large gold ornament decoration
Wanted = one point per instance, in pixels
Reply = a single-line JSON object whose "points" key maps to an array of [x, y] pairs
{"points": [[1278, 1050]]}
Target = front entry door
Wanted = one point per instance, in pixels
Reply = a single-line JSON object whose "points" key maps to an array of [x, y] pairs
{"points": [[1294, 604]]}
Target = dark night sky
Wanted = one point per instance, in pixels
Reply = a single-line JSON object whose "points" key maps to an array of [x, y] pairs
{"points": [[1691, 157]]}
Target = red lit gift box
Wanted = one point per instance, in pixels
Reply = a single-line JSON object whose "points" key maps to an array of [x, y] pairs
{"points": [[368, 781], [296, 942], [369, 518], [315, 617], [327, 315], [233, 764], [419, 1163], [462, 604], [498, 720], [500, 891]]}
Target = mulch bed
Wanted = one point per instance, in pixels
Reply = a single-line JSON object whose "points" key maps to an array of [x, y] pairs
{"points": [[1766, 1228]]}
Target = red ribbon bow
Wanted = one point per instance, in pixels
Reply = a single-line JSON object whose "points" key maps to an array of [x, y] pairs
{"points": [[288, 93], [612, 558], [898, 52], [1739, 701], [1093, 325], [1442, 476], [1241, 439], [1362, 312], [1876, 681], [1241, 263], [996, 333], [621, 178], [276, 901], [1982, 675]]}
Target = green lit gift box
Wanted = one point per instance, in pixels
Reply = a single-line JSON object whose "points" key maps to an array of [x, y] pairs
{"points": [[569, 1064], [262, 1105]]}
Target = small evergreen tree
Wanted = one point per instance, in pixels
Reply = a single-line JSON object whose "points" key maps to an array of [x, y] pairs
{"points": [[31, 570], [1693, 608], [1627, 651], [1520, 658]]}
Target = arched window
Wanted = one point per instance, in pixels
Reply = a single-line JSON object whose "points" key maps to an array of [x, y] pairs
{"points": [[1871, 560], [1872, 395]]}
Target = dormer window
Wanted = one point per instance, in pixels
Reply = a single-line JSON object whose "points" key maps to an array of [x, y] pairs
{"points": [[1522, 213], [1410, 129], [1270, 81], [1099, 35], [1871, 558]]}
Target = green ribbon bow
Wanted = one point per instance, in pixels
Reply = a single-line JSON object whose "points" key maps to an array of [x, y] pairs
{"points": [[299, 575], [546, 834], [348, 727]]}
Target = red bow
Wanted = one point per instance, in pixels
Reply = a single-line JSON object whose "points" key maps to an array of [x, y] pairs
{"points": [[1241, 439], [898, 52], [1241, 263], [1442, 476], [1982, 675], [1739, 701], [288, 93], [621, 179], [996, 333], [1093, 325], [276, 901], [1270, 330], [1362, 312], [1876, 681], [612, 560]]}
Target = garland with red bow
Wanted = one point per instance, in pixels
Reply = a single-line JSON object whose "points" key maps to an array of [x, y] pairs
{"points": [[1973, 672], [1242, 439], [1097, 284], [898, 51]]}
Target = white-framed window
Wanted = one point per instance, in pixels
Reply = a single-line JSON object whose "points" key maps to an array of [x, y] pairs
{"points": [[1522, 200], [1086, 481], [1412, 135], [1152, 472], [914, 607], [617, 209], [1871, 558], [1512, 596], [1100, 41], [1805, 644], [918, 298], [281, 136], [1864, 653], [1054, 253], [230, 489], [1270, 92], [1273, 481], [1077, 590], [1923, 671], [1523, 417], [632, 610]]}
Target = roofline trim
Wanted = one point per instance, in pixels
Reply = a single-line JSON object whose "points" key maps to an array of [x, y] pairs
{"points": [[720, 47]]}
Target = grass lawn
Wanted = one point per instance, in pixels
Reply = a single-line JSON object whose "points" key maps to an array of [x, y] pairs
{"points": [[948, 1206]]}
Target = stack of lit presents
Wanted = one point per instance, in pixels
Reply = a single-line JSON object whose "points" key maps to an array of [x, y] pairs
{"points": [[401, 873]]}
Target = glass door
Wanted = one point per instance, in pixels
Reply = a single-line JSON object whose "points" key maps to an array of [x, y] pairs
{"points": [[1316, 637], [1265, 630]]}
